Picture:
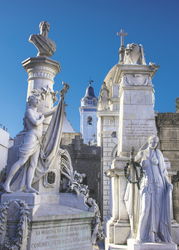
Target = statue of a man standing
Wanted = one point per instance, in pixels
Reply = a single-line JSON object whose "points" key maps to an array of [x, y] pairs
{"points": [[45, 45]]}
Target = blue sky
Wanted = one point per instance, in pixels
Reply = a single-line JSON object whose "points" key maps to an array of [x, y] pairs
{"points": [[87, 45]]}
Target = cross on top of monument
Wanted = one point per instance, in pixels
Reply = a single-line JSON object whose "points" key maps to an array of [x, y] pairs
{"points": [[122, 34], [94, 136], [90, 81]]}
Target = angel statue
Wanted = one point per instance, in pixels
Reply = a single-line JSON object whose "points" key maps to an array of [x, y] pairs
{"points": [[36, 155], [153, 213]]}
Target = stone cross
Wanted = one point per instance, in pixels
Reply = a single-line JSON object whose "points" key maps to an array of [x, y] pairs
{"points": [[122, 34], [94, 136]]}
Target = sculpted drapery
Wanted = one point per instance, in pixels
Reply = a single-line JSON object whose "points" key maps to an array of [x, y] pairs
{"points": [[37, 153], [45, 46], [153, 208], [48, 149]]}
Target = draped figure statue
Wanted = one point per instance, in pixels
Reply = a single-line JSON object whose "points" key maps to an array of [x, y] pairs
{"points": [[36, 156], [153, 212]]}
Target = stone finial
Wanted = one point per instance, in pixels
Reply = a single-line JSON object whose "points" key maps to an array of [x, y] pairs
{"points": [[45, 46], [122, 48], [177, 106]]}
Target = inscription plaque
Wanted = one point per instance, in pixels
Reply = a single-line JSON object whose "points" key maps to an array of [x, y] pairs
{"points": [[60, 237], [137, 130]]}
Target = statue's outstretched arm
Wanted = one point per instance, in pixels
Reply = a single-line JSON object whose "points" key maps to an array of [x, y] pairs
{"points": [[62, 96], [49, 113]]}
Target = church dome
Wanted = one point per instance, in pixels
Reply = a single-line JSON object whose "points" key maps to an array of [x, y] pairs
{"points": [[89, 91]]}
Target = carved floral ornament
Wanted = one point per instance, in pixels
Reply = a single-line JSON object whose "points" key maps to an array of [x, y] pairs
{"points": [[48, 91], [44, 92], [22, 225], [137, 80]]}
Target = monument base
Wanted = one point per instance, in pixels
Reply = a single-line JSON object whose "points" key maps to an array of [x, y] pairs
{"points": [[175, 232], [132, 245], [57, 224]]}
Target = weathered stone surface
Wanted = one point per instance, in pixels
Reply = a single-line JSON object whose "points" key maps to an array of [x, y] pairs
{"points": [[132, 245], [61, 227], [168, 131], [87, 159], [59, 223]]}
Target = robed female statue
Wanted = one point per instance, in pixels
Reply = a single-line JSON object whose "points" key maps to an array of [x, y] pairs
{"points": [[153, 211]]}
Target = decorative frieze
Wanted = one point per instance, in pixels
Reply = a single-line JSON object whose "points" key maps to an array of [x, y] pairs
{"points": [[137, 80], [168, 119]]}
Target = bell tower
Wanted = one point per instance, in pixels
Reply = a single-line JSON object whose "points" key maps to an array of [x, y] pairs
{"points": [[88, 116]]}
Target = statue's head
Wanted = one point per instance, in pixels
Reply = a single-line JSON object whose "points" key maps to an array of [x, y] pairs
{"points": [[44, 28], [153, 141], [35, 99]]}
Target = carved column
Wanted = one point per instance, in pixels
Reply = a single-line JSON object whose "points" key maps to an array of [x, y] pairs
{"points": [[41, 72]]}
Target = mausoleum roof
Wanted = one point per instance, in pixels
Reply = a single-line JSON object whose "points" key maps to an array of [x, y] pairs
{"points": [[67, 127]]}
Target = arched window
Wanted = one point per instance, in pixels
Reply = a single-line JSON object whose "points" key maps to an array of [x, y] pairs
{"points": [[89, 120]]}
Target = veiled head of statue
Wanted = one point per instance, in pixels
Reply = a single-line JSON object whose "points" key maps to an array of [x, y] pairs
{"points": [[153, 141]]}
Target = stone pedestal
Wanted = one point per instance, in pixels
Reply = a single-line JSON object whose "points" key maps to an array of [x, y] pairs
{"points": [[117, 226], [132, 245], [136, 117], [58, 222], [136, 124]]}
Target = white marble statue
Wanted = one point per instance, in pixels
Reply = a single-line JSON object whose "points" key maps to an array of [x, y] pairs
{"points": [[36, 155], [134, 54], [45, 46], [103, 97], [153, 213]]}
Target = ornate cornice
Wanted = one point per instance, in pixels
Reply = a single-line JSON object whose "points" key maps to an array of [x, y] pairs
{"points": [[168, 119]]}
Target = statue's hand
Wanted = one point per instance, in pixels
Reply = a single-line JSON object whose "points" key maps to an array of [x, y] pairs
{"points": [[54, 108], [41, 117], [169, 186]]}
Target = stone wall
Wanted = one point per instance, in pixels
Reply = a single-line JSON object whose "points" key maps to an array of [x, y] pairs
{"points": [[168, 132], [67, 137], [87, 159], [108, 140]]}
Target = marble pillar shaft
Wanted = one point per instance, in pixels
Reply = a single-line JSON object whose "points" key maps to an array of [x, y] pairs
{"points": [[41, 72]]}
